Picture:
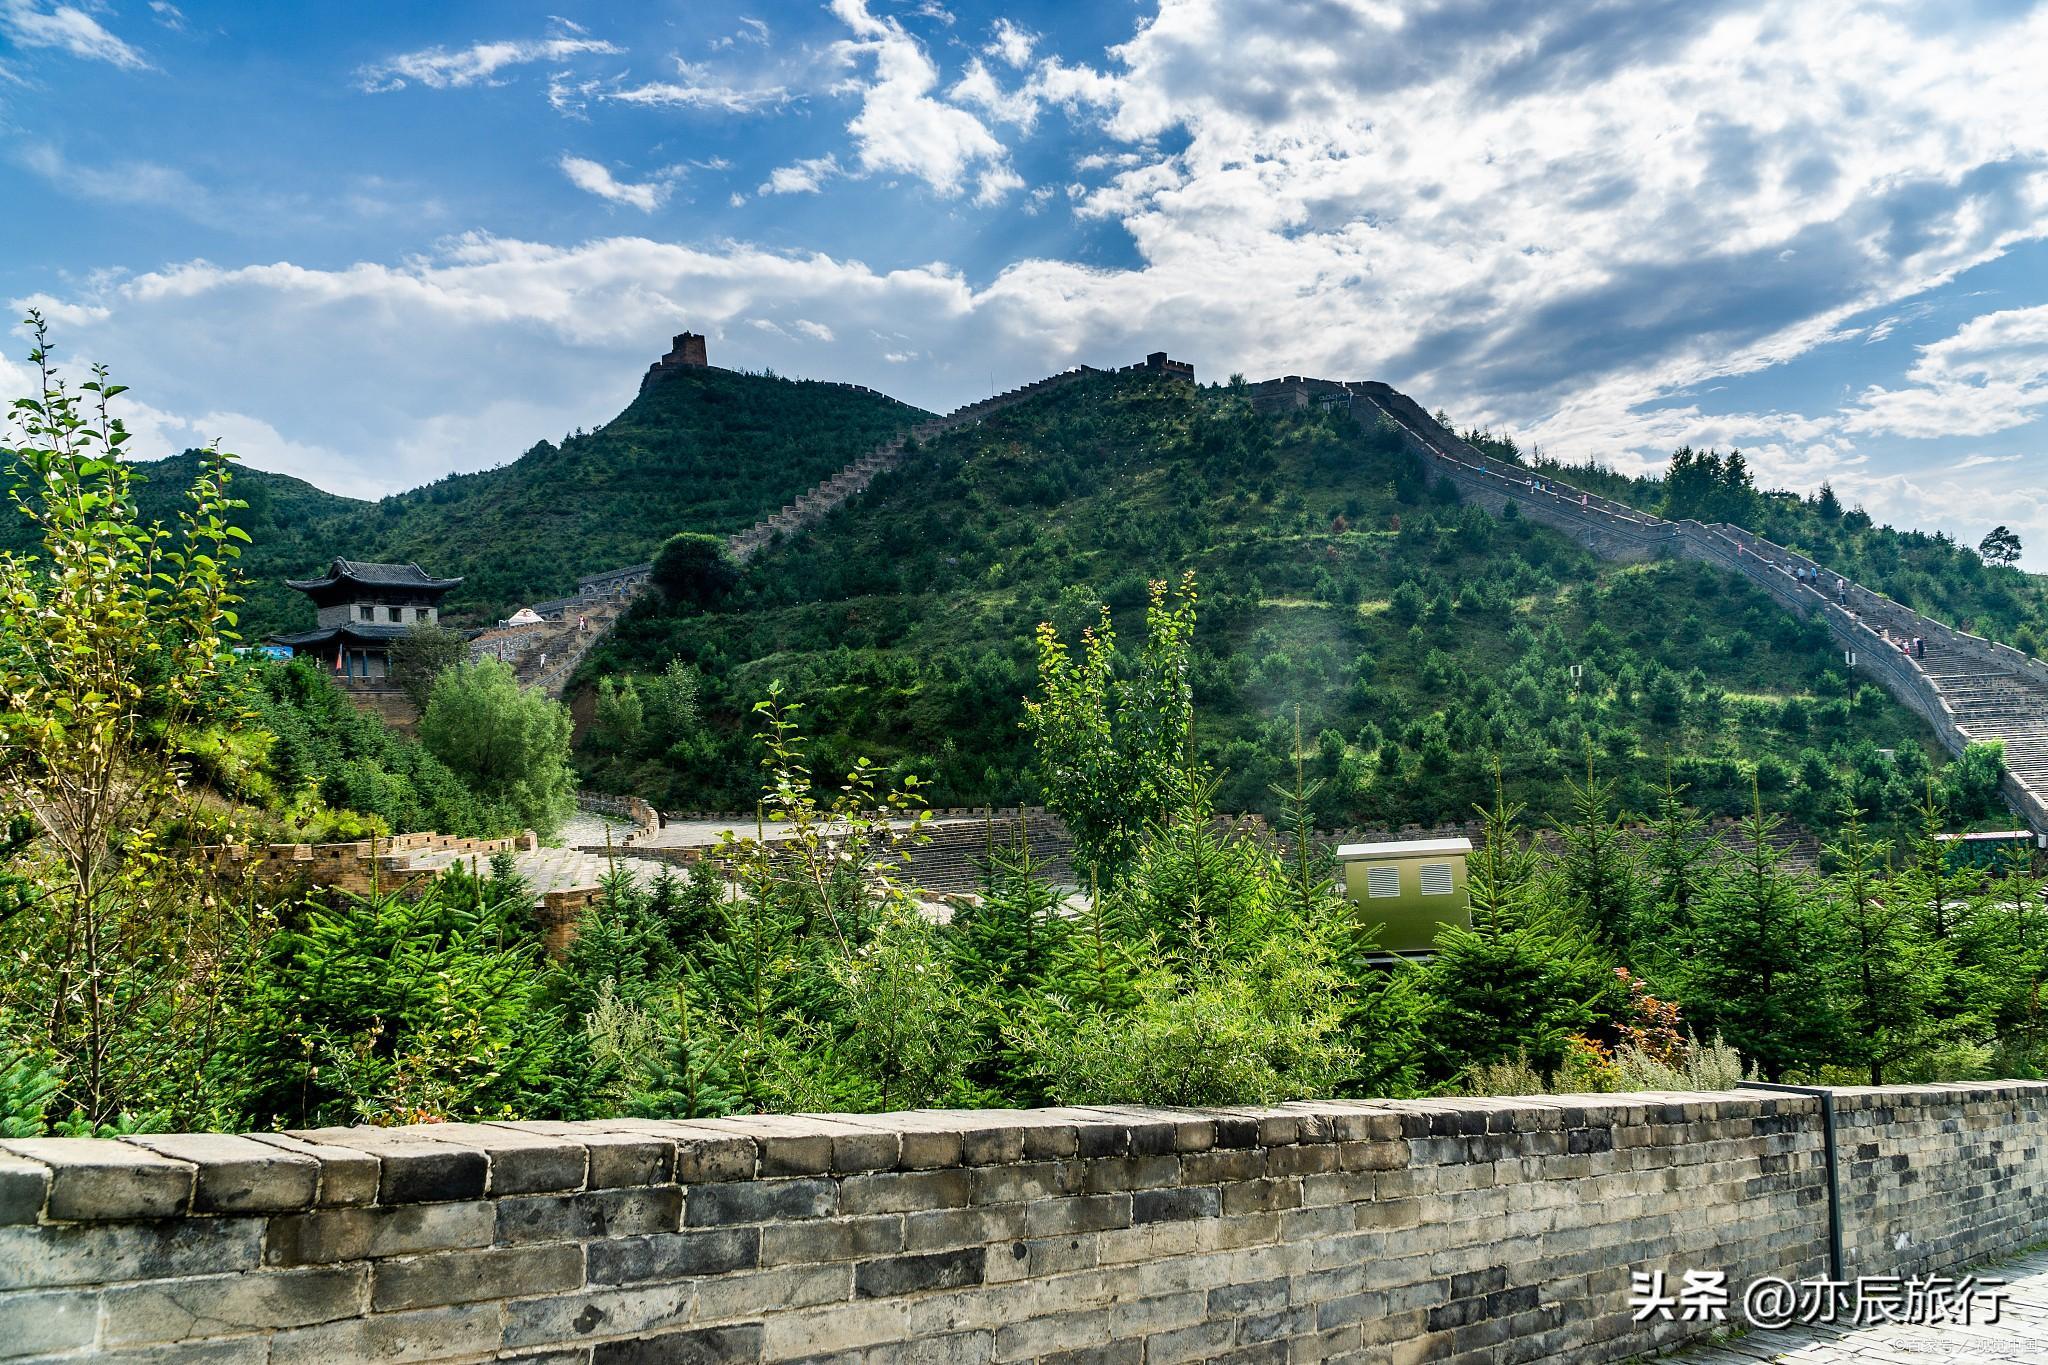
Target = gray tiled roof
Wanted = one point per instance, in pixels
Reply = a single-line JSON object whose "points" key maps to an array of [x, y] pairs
{"points": [[369, 631], [374, 576]]}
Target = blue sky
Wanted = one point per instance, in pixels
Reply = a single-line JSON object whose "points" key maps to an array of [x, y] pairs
{"points": [[369, 244]]}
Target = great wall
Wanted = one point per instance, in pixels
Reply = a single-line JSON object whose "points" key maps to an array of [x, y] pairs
{"points": [[547, 654], [1464, 1230], [1469, 1231], [1967, 688]]}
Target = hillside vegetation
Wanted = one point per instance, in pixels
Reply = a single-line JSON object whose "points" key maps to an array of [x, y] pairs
{"points": [[1419, 639], [1929, 571], [704, 450]]}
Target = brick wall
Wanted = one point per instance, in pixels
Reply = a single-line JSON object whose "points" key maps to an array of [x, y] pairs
{"points": [[361, 866], [1467, 1230]]}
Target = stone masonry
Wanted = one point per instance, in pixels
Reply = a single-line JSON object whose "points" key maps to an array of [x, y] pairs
{"points": [[362, 866], [1460, 1230]]}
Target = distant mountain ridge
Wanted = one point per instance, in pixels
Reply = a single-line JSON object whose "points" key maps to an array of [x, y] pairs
{"points": [[700, 449]]}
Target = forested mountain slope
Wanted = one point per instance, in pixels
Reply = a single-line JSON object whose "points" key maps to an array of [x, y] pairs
{"points": [[1928, 571], [287, 519], [1419, 638], [698, 450]]}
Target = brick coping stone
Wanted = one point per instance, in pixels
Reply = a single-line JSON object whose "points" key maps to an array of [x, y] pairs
{"points": [[1466, 1230]]}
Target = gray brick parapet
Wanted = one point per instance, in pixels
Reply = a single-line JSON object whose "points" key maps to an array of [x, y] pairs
{"points": [[1459, 1230]]}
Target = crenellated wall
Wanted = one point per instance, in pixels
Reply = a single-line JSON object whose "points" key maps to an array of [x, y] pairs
{"points": [[1456, 1230]]}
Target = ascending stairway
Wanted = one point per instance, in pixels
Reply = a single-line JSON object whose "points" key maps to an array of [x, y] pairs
{"points": [[565, 649], [821, 500], [1969, 688]]}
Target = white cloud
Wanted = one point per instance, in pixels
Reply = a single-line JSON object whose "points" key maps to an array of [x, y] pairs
{"points": [[1561, 218], [594, 178], [441, 68], [800, 177], [900, 127], [1011, 43], [122, 182], [69, 29], [752, 31], [697, 88], [168, 14], [1991, 375]]}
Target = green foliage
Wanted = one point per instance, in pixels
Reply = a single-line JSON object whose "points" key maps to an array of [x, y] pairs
{"points": [[710, 450], [113, 636], [694, 569], [1425, 637], [1759, 956], [510, 744], [1981, 590], [333, 772], [397, 1009], [2000, 546], [422, 655], [1524, 978], [1252, 1032], [1107, 743]]}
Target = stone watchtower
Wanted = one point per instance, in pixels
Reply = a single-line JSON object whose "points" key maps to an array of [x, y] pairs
{"points": [[687, 353], [687, 350]]}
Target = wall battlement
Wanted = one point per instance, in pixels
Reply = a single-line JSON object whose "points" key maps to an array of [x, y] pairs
{"points": [[1468, 1230]]}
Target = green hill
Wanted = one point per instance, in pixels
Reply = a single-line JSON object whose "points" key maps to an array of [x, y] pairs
{"points": [[702, 450], [1928, 571], [699, 450], [285, 517], [1418, 638]]}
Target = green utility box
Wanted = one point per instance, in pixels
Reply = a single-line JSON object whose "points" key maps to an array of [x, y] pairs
{"points": [[1412, 886]]}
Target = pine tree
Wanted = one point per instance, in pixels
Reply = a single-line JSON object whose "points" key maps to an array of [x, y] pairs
{"points": [[1680, 856], [1006, 942], [1597, 866], [1524, 978], [1757, 968], [1891, 973], [684, 1079]]}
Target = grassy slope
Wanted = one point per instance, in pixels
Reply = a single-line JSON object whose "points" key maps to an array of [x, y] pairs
{"points": [[1930, 572], [904, 624], [707, 450]]}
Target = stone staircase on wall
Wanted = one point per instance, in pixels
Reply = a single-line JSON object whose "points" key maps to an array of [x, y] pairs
{"points": [[1968, 689], [820, 501], [562, 645]]}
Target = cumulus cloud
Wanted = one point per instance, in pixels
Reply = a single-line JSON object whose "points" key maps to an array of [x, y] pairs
{"points": [[1011, 43], [443, 68], [800, 177], [1991, 375], [1564, 218], [595, 178], [68, 29], [901, 128]]}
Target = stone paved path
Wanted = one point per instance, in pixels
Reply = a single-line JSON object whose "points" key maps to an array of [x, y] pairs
{"points": [[2020, 1337], [565, 868]]}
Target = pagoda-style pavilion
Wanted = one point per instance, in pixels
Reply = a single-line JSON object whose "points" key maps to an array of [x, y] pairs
{"points": [[363, 608]]}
